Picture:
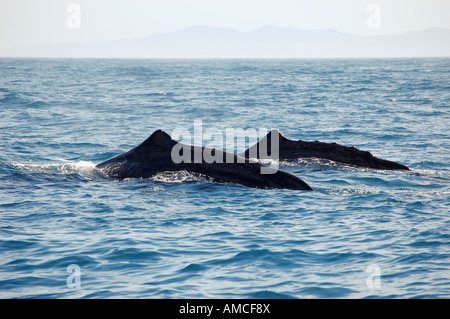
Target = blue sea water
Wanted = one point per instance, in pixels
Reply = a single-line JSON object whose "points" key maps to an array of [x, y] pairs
{"points": [[361, 234]]}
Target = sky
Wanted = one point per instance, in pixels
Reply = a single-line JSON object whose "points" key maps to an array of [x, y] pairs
{"points": [[36, 22]]}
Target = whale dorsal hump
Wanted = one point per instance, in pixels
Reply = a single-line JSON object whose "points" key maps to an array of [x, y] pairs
{"points": [[159, 137], [275, 132]]}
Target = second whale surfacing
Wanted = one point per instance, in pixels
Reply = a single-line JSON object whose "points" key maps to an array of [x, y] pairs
{"points": [[154, 155], [291, 150]]}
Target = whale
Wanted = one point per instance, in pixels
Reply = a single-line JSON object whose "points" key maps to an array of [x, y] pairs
{"points": [[292, 149], [156, 154]]}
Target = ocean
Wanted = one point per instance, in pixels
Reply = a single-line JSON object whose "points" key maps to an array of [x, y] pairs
{"points": [[68, 231]]}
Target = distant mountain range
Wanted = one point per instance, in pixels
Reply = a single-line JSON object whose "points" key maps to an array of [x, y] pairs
{"points": [[265, 42]]}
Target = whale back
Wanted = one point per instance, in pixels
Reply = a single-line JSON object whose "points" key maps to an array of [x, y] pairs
{"points": [[154, 155], [291, 150]]}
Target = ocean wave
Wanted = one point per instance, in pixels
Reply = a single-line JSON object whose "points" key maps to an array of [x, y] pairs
{"points": [[421, 194], [431, 173], [36, 104], [354, 191], [326, 292], [291, 258], [83, 168], [7, 97], [157, 93], [17, 99], [179, 177], [268, 294]]}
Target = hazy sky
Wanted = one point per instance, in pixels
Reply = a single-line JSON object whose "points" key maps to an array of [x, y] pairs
{"points": [[29, 22]]}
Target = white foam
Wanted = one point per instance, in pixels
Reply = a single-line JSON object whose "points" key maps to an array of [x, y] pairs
{"points": [[84, 168], [178, 177], [353, 191]]}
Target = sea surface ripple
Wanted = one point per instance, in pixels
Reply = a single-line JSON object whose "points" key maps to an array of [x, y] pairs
{"points": [[361, 234]]}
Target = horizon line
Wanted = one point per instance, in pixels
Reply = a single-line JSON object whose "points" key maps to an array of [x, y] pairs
{"points": [[227, 28]]}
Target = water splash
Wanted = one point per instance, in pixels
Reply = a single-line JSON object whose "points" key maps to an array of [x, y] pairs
{"points": [[85, 169], [354, 191], [179, 177]]}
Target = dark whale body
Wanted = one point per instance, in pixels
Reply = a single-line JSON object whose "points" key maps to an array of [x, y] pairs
{"points": [[289, 149], [154, 156]]}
